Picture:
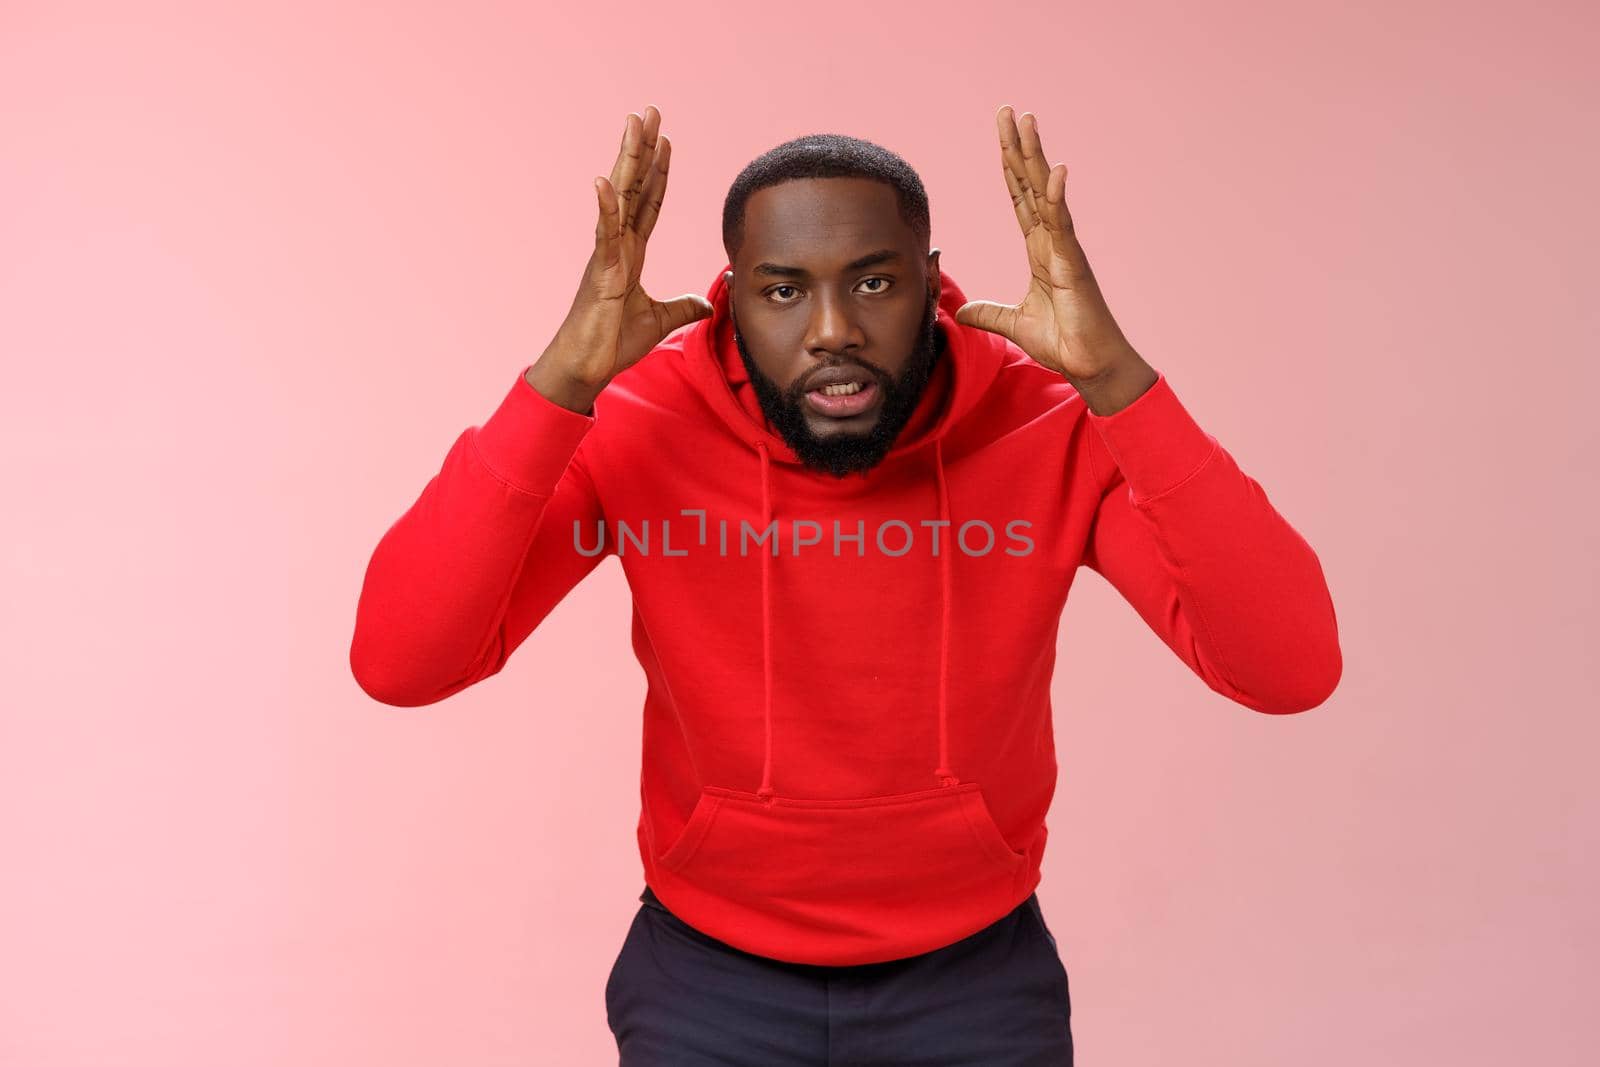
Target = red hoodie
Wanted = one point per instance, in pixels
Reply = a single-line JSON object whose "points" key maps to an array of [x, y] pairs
{"points": [[847, 744]]}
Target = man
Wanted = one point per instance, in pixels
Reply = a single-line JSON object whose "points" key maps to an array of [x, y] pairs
{"points": [[849, 504]]}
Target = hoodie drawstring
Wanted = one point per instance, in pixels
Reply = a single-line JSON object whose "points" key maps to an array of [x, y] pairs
{"points": [[942, 771], [765, 792]]}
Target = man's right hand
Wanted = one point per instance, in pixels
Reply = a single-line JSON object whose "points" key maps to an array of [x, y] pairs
{"points": [[613, 323]]}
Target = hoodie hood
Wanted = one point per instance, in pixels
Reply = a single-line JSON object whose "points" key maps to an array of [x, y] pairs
{"points": [[972, 359]]}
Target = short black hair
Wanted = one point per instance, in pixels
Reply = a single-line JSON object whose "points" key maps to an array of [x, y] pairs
{"points": [[825, 155]]}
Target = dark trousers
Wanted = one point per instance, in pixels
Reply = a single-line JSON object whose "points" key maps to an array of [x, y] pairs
{"points": [[998, 998]]}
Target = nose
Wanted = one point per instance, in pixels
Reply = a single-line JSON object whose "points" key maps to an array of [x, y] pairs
{"points": [[832, 329]]}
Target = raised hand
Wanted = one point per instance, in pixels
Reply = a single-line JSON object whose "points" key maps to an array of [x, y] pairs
{"points": [[613, 322], [1062, 321]]}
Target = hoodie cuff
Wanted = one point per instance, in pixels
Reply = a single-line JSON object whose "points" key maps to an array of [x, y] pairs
{"points": [[530, 439], [1154, 441]]}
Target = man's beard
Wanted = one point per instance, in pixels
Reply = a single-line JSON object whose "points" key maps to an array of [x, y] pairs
{"points": [[844, 453]]}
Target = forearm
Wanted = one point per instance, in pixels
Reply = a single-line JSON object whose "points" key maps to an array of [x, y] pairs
{"points": [[434, 602], [1196, 546]]}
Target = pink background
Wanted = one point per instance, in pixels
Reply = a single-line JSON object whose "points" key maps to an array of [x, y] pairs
{"points": [[258, 268]]}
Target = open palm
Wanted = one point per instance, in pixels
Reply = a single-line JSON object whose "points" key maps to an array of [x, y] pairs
{"points": [[1062, 320], [613, 322]]}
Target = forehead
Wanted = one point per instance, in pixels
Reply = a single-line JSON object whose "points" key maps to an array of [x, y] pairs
{"points": [[822, 223]]}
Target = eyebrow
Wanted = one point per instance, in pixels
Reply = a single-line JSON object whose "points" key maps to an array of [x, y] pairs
{"points": [[882, 255]]}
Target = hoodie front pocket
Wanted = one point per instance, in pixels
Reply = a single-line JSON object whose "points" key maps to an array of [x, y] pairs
{"points": [[874, 869]]}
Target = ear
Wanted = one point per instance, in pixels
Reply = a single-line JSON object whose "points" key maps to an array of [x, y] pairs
{"points": [[935, 282]]}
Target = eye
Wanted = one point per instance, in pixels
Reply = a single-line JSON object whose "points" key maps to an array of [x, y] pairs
{"points": [[882, 285]]}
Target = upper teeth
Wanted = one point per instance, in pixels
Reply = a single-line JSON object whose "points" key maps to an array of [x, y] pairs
{"points": [[841, 390]]}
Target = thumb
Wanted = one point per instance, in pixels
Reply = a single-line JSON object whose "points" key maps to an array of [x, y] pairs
{"points": [[682, 310], [987, 315]]}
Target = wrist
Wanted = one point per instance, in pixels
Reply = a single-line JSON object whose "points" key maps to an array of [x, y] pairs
{"points": [[561, 387], [1119, 385]]}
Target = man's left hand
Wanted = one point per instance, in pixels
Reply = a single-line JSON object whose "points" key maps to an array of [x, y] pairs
{"points": [[1062, 322]]}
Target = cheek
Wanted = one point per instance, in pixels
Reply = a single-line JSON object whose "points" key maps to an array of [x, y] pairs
{"points": [[771, 348], [899, 339], [903, 323], [781, 375]]}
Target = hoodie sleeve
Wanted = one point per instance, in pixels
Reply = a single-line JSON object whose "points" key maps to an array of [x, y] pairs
{"points": [[483, 555], [1194, 545]]}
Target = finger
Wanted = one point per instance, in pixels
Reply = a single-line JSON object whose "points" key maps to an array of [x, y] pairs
{"points": [[1063, 235], [607, 227], [1020, 200], [627, 158], [681, 311], [637, 166], [654, 191], [647, 155], [987, 315], [622, 152], [1016, 168], [1038, 170]]}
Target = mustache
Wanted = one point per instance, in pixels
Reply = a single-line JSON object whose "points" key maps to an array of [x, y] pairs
{"points": [[797, 391]]}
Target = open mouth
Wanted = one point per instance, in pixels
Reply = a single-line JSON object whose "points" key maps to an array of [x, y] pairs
{"points": [[843, 400]]}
